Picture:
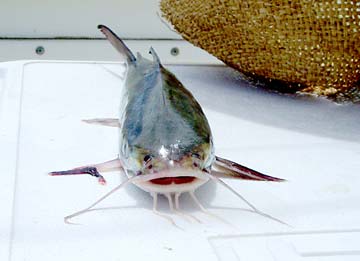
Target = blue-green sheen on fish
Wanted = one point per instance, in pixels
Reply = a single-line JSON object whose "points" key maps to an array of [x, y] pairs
{"points": [[161, 119]]}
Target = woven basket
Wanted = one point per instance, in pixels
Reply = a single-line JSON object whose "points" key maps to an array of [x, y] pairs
{"points": [[301, 45]]}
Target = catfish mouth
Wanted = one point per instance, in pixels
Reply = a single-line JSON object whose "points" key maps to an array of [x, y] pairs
{"points": [[172, 181]]}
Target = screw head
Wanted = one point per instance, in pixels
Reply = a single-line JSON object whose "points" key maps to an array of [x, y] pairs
{"points": [[174, 51], [40, 50]]}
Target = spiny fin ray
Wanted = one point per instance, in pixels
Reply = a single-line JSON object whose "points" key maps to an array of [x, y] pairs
{"points": [[227, 168], [118, 44]]}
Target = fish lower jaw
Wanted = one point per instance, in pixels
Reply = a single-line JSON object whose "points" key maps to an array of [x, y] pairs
{"points": [[166, 185]]}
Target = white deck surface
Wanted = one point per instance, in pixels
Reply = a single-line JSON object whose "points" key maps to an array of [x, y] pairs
{"points": [[312, 143]]}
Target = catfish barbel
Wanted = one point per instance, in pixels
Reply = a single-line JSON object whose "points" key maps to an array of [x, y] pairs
{"points": [[165, 144]]}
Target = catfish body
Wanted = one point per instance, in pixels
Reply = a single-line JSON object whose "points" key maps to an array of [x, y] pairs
{"points": [[165, 142], [160, 119]]}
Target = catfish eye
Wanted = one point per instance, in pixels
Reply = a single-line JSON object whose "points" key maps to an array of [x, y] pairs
{"points": [[147, 158], [196, 155]]}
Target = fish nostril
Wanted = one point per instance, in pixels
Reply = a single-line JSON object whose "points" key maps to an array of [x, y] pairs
{"points": [[150, 166], [195, 165]]}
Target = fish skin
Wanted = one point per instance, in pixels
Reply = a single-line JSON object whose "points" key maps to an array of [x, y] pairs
{"points": [[158, 114]]}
